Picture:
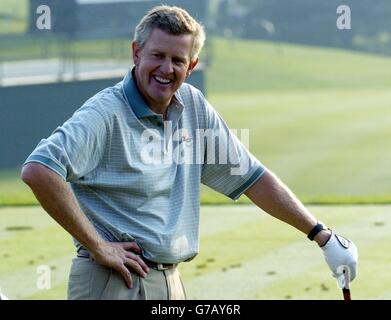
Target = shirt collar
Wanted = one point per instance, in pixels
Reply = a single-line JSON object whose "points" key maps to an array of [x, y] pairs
{"points": [[138, 104]]}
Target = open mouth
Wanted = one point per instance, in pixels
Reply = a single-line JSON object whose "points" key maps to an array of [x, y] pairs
{"points": [[162, 81]]}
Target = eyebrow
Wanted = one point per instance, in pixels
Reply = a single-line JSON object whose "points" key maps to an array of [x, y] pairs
{"points": [[181, 58]]}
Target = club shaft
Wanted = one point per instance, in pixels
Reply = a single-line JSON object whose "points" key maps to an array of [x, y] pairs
{"points": [[346, 294]]}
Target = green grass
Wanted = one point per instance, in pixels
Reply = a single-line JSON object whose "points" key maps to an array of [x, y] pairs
{"points": [[244, 254], [26, 47], [332, 143], [318, 117], [13, 192], [13, 16], [242, 66], [247, 255]]}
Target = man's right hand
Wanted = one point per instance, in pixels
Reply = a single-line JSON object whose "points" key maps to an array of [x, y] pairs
{"points": [[121, 256], [57, 198]]}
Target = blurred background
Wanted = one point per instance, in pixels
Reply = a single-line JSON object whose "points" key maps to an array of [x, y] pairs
{"points": [[315, 97]]}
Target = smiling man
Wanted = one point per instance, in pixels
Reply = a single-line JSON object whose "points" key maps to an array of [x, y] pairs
{"points": [[162, 64], [133, 222]]}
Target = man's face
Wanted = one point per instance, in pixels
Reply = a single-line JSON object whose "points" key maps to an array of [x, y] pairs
{"points": [[162, 65]]}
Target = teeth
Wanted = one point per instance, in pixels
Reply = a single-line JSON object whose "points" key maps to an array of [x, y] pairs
{"points": [[165, 81]]}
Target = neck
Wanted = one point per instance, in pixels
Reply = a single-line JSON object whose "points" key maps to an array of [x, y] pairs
{"points": [[158, 109]]}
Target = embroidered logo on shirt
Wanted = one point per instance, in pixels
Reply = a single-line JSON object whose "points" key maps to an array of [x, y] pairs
{"points": [[186, 139]]}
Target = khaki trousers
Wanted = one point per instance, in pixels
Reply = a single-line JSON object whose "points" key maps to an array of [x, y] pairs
{"points": [[90, 281]]}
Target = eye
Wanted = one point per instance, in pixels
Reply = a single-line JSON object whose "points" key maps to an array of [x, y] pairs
{"points": [[178, 61], [157, 55]]}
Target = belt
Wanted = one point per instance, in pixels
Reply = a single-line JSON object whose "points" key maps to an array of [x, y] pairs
{"points": [[159, 266], [84, 253]]}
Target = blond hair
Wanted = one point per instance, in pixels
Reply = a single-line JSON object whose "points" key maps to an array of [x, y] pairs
{"points": [[172, 20]]}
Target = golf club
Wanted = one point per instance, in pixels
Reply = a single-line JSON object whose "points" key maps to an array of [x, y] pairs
{"points": [[346, 288]]}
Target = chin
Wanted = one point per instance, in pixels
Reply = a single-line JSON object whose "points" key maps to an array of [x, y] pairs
{"points": [[162, 99]]}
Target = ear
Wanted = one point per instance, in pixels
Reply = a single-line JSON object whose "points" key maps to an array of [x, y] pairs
{"points": [[136, 53], [192, 65]]}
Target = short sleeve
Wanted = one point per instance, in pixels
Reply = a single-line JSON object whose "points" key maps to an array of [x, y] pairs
{"points": [[74, 149], [229, 167]]}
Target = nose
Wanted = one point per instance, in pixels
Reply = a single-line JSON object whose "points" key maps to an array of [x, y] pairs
{"points": [[167, 67]]}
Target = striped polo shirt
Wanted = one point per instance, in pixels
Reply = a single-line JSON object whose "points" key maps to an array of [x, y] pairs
{"points": [[137, 177]]}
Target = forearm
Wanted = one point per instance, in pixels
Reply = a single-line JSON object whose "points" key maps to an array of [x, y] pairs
{"points": [[57, 199], [275, 198]]}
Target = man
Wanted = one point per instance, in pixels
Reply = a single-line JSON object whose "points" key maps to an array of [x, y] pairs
{"points": [[133, 205]]}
